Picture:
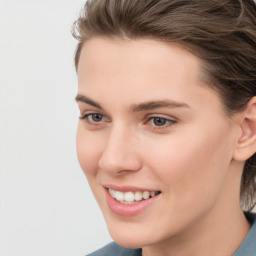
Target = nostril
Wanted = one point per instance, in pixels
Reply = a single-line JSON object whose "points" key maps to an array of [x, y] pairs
{"points": [[119, 163]]}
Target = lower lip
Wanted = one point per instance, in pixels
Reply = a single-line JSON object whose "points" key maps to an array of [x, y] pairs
{"points": [[128, 210]]}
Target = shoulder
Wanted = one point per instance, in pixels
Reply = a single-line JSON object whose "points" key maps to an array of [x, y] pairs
{"points": [[248, 247], [114, 249]]}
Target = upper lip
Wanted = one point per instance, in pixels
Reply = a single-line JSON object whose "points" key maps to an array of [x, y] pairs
{"points": [[128, 188]]}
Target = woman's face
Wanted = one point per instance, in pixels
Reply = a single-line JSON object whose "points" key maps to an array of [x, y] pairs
{"points": [[155, 137]]}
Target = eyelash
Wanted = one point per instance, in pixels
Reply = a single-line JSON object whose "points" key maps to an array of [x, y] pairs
{"points": [[167, 122], [90, 115]]}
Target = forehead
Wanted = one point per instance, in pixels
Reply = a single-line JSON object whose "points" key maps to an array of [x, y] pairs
{"points": [[136, 59], [132, 52], [141, 69]]}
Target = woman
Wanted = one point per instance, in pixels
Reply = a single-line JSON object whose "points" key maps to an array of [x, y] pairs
{"points": [[167, 130]]}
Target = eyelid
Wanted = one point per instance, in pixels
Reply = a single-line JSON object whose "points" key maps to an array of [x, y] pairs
{"points": [[170, 121], [165, 116], [86, 115]]}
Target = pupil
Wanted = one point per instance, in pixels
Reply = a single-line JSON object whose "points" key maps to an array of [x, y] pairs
{"points": [[96, 117], [158, 121]]}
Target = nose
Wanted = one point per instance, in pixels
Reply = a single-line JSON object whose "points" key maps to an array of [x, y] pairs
{"points": [[120, 154]]}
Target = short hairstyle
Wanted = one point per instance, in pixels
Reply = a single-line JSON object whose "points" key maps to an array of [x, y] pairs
{"points": [[222, 33]]}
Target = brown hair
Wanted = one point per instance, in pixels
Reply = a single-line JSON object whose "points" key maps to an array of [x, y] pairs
{"points": [[222, 33]]}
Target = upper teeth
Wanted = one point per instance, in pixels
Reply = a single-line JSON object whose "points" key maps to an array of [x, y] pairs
{"points": [[130, 197]]}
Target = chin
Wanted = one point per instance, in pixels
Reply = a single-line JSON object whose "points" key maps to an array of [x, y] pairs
{"points": [[132, 235], [131, 242]]}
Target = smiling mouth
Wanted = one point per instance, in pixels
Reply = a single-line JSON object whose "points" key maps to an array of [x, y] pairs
{"points": [[132, 197]]}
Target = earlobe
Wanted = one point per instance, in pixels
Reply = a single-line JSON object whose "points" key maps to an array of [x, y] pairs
{"points": [[246, 144]]}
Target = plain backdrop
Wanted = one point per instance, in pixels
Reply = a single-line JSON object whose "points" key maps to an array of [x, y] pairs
{"points": [[46, 207]]}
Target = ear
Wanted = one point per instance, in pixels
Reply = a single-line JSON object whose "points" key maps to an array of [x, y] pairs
{"points": [[246, 144]]}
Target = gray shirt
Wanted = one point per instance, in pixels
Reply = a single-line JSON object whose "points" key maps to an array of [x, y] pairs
{"points": [[247, 248]]}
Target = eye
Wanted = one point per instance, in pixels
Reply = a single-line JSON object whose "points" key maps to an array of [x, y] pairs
{"points": [[94, 118], [161, 122]]}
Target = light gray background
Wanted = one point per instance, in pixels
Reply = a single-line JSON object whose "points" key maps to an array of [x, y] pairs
{"points": [[46, 207]]}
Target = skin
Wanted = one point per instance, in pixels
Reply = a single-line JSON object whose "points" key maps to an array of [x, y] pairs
{"points": [[195, 157]]}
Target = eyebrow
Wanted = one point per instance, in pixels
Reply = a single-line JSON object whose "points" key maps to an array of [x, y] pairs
{"points": [[158, 104], [87, 100], [138, 107]]}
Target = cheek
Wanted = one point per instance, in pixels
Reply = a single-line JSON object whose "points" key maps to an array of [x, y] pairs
{"points": [[193, 168], [88, 151]]}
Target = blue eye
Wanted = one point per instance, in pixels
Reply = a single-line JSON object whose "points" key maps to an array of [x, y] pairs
{"points": [[96, 117], [159, 121], [93, 117]]}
